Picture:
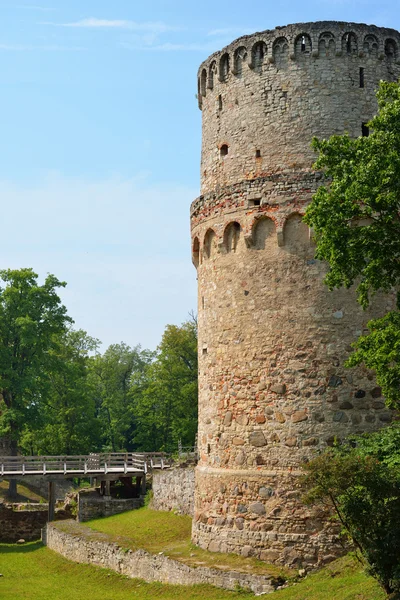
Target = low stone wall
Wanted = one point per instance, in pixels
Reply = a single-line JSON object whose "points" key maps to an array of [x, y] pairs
{"points": [[91, 505], [26, 524], [86, 546], [173, 490]]}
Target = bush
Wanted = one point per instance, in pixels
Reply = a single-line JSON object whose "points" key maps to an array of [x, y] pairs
{"points": [[360, 479]]}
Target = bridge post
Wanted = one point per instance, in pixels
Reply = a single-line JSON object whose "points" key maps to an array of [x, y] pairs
{"points": [[52, 501], [143, 485]]}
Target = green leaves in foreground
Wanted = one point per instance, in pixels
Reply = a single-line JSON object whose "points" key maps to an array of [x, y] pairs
{"points": [[356, 220], [380, 351], [356, 215], [361, 481]]}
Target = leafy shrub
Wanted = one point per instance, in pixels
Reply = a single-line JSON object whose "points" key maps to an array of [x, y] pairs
{"points": [[360, 479]]}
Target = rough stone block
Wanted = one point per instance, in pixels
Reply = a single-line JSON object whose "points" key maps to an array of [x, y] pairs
{"points": [[257, 439]]}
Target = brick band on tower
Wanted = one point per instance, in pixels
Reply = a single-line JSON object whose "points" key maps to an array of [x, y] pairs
{"points": [[273, 340]]}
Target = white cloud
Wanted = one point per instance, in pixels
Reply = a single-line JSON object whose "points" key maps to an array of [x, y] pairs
{"points": [[122, 245], [45, 48], [94, 23], [35, 7], [14, 47]]}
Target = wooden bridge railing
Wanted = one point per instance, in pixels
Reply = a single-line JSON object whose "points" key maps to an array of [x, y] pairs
{"points": [[91, 464]]}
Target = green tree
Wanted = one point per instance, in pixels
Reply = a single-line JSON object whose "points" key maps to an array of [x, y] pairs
{"points": [[360, 480], [165, 401], [68, 421], [355, 217], [110, 378], [31, 318]]}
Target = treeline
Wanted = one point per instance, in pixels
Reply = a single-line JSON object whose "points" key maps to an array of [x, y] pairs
{"points": [[60, 395]]}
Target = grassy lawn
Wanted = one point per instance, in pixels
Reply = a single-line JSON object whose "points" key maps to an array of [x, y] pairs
{"points": [[157, 531], [32, 572], [341, 580], [24, 494]]}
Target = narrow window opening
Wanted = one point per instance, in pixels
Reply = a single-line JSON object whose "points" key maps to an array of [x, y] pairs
{"points": [[204, 351], [255, 202], [202, 302], [219, 102], [361, 77], [348, 44], [208, 449], [258, 153], [223, 151], [364, 130], [196, 252], [231, 237], [303, 44]]}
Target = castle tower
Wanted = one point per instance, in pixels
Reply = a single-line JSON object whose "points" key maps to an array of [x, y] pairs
{"points": [[273, 340]]}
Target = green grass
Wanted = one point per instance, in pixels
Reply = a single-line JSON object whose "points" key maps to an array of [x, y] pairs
{"points": [[24, 494], [341, 580], [157, 531], [33, 572]]}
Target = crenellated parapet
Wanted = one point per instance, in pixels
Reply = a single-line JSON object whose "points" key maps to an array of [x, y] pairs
{"points": [[265, 96], [322, 40]]}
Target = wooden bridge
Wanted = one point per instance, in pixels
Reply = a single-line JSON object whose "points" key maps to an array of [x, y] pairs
{"points": [[102, 466]]}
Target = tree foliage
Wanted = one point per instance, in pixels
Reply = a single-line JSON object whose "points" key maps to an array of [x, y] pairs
{"points": [[31, 318], [355, 217], [111, 375], [68, 422], [60, 395], [165, 404], [361, 481]]}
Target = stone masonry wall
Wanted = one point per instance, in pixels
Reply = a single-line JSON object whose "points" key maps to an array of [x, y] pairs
{"points": [[273, 389], [25, 524], [93, 506], [173, 490], [83, 546]]}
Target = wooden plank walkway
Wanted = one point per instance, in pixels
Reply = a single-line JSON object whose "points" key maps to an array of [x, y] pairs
{"points": [[91, 465]]}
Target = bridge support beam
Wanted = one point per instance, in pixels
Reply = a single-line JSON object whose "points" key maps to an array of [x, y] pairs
{"points": [[142, 484], [52, 501]]}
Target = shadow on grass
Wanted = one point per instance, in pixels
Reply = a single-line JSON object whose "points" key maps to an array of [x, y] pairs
{"points": [[23, 491], [20, 548]]}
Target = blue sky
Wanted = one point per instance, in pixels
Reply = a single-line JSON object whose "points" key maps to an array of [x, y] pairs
{"points": [[100, 144]]}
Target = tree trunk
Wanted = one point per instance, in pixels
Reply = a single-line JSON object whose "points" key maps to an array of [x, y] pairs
{"points": [[12, 487]]}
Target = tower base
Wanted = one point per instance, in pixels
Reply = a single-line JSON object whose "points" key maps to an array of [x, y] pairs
{"points": [[261, 514]]}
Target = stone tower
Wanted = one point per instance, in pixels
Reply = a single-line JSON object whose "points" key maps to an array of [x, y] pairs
{"points": [[273, 389]]}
